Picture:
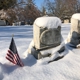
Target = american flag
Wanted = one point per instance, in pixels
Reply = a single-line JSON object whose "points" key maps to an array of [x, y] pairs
{"points": [[12, 54]]}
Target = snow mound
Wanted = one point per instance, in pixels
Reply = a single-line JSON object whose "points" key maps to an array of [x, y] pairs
{"points": [[76, 16], [31, 45], [49, 22]]}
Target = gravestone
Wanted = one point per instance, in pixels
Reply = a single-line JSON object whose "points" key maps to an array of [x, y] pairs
{"points": [[74, 35], [46, 36], [21, 23], [15, 24], [2, 23]]}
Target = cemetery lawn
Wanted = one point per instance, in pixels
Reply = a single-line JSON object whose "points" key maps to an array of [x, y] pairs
{"points": [[67, 68]]}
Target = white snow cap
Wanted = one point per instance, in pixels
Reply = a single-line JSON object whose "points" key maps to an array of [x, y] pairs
{"points": [[49, 22], [76, 16]]}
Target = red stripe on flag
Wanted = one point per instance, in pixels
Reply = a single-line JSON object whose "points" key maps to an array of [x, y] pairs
{"points": [[18, 61], [9, 51], [14, 57], [10, 56], [10, 60]]}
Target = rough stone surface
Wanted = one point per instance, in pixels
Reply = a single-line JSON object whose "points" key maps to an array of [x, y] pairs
{"points": [[36, 53], [44, 38]]}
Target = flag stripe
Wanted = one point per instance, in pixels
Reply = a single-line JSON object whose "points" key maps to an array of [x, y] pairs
{"points": [[18, 60], [10, 56], [16, 57], [9, 60], [10, 52]]}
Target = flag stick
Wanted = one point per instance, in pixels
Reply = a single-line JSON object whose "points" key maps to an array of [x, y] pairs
{"points": [[12, 35]]}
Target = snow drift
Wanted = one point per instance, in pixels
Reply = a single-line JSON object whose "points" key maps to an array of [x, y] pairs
{"points": [[67, 68]]}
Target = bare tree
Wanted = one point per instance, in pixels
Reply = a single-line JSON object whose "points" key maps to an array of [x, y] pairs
{"points": [[24, 10], [11, 16], [5, 4], [61, 8], [31, 11]]}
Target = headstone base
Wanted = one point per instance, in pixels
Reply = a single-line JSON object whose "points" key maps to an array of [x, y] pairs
{"points": [[38, 55]]}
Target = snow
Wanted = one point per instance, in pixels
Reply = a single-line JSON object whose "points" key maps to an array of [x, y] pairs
{"points": [[48, 22], [28, 51], [67, 68], [76, 16]]}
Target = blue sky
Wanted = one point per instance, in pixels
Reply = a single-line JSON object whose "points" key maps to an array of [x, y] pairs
{"points": [[38, 3]]}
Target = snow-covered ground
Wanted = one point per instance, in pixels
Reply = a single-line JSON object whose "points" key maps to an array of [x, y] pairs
{"points": [[67, 68]]}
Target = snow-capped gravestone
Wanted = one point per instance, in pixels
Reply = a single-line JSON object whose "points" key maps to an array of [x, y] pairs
{"points": [[46, 35], [74, 35], [47, 32]]}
